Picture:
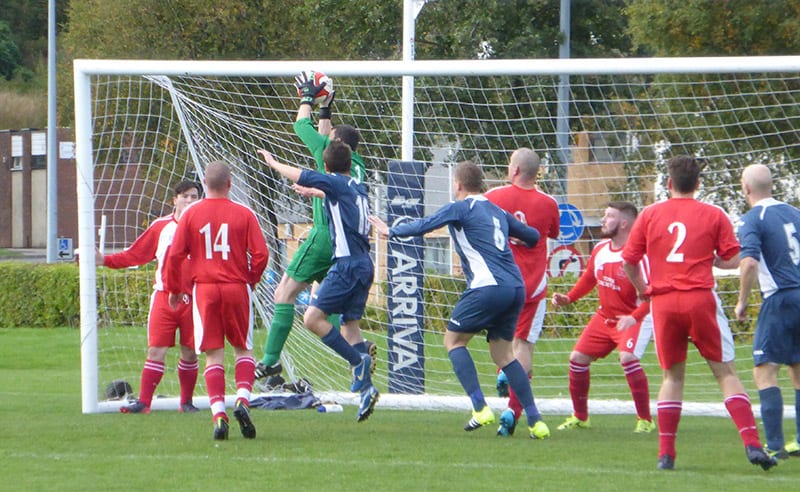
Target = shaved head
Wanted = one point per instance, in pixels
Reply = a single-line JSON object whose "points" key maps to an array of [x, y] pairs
{"points": [[758, 178], [218, 178], [526, 161]]}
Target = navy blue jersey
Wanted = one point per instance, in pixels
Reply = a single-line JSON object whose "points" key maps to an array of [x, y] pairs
{"points": [[480, 231], [347, 205], [770, 233]]}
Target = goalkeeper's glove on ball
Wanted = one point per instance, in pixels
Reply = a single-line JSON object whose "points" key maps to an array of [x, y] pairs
{"points": [[307, 88]]}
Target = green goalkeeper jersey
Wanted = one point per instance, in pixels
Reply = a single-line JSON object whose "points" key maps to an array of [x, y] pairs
{"points": [[316, 143]]}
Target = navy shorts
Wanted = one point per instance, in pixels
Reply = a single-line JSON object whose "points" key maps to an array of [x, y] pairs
{"points": [[493, 308], [777, 338], [346, 287]]}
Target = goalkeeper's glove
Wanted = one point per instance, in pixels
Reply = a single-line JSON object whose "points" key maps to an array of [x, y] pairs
{"points": [[325, 106], [307, 88]]}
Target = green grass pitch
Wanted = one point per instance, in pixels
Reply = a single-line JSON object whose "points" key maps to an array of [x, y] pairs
{"points": [[47, 443]]}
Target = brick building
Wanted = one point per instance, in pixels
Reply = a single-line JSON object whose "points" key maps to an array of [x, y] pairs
{"points": [[23, 188]]}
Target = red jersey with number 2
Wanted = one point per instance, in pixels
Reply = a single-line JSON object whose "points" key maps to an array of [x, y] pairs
{"points": [[681, 236]]}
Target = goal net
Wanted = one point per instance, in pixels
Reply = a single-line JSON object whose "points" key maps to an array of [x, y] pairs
{"points": [[604, 129]]}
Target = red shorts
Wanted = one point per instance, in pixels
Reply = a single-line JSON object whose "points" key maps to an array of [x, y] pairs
{"points": [[531, 320], [679, 316], [601, 337], [223, 312], [163, 322]]}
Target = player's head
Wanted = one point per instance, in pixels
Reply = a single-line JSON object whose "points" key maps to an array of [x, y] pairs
{"points": [[346, 134], [523, 165], [186, 192], [684, 173], [468, 178], [756, 182], [619, 218], [217, 179], [337, 157]]}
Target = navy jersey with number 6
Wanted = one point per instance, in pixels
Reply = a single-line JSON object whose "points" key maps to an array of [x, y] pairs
{"points": [[770, 233], [480, 231], [347, 203]]}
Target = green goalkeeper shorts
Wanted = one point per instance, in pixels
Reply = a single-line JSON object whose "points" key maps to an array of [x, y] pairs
{"points": [[312, 260]]}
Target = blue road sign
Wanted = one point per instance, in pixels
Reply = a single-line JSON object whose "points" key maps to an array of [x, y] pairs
{"points": [[65, 251], [571, 224]]}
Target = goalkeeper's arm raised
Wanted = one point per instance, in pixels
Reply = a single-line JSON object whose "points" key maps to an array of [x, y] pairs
{"points": [[324, 125]]}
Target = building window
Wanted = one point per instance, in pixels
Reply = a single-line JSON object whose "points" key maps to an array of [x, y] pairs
{"points": [[16, 152], [38, 150]]}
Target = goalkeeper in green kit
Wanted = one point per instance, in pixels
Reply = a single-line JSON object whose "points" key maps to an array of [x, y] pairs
{"points": [[313, 258]]}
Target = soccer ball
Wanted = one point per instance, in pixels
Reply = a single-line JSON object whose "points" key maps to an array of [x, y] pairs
{"points": [[319, 78], [119, 389]]}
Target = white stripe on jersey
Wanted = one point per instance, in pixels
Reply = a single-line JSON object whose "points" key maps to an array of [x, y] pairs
{"points": [[341, 248], [481, 275], [164, 240], [725, 335], [766, 281]]}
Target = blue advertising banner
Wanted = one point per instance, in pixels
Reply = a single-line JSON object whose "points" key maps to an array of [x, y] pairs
{"points": [[405, 264]]}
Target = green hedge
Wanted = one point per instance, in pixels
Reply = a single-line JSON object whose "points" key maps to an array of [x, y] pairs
{"points": [[47, 295], [442, 292], [38, 295]]}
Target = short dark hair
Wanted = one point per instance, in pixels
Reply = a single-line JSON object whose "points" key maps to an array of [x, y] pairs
{"points": [[185, 186], [348, 135], [337, 157], [469, 175], [625, 207], [684, 170]]}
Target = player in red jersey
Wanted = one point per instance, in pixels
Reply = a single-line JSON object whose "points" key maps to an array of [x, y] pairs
{"points": [[162, 320], [683, 238], [529, 205], [228, 255], [620, 321]]}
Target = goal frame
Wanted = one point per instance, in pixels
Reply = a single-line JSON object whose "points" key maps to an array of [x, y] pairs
{"points": [[84, 69]]}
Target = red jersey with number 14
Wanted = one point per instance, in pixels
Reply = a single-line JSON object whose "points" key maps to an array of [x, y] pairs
{"points": [[681, 236], [534, 209], [224, 240]]}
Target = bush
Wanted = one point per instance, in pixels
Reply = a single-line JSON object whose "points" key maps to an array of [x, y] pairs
{"points": [[44, 295], [47, 295], [39, 295]]}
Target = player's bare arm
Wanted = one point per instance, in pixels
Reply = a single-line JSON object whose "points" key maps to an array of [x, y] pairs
{"points": [[729, 264], [634, 273], [625, 321], [307, 191], [304, 111], [379, 225], [749, 272], [560, 300], [325, 126], [284, 170]]}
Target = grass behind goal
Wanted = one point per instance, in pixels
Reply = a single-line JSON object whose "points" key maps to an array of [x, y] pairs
{"points": [[47, 443]]}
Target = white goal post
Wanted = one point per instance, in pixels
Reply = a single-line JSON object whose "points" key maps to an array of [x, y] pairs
{"points": [[141, 126]]}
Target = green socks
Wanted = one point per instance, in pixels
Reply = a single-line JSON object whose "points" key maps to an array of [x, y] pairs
{"points": [[278, 333]]}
